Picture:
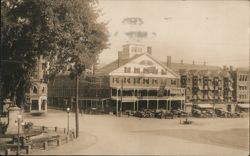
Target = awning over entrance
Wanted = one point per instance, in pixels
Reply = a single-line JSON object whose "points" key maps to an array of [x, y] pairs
{"points": [[245, 105], [205, 106], [129, 99]]}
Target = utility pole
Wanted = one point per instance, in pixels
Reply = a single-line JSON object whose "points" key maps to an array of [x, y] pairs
{"points": [[121, 97], [76, 106]]}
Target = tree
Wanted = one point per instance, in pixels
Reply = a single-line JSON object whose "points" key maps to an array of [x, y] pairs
{"points": [[64, 32]]}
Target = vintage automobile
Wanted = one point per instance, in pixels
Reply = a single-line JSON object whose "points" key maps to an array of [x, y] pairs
{"points": [[168, 114], [163, 114], [220, 113], [198, 113], [179, 113], [236, 115], [139, 114], [209, 112], [148, 113]]}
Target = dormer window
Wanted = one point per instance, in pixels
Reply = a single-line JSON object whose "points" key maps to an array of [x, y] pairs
{"points": [[163, 72], [136, 70], [127, 69]]}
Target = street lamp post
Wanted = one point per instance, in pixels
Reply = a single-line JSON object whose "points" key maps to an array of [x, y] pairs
{"points": [[68, 109], [18, 134]]}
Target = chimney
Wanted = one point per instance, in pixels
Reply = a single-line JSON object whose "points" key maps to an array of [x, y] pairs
{"points": [[169, 61], [181, 61], [231, 68], [149, 50], [204, 63], [119, 58]]}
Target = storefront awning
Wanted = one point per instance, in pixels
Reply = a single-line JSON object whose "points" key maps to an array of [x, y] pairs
{"points": [[205, 106], [129, 99], [245, 105]]}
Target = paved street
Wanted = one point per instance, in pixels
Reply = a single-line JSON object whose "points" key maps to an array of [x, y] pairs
{"points": [[105, 134]]}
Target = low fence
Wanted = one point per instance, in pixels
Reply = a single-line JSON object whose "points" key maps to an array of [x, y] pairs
{"points": [[55, 137]]}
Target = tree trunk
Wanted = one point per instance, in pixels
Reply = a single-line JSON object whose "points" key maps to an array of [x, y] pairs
{"points": [[77, 107]]}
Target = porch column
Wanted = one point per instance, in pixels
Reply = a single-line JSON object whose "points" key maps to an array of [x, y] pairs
{"points": [[157, 104], [137, 108], [117, 102], [170, 104], [134, 106], [181, 103], [134, 101], [147, 99], [102, 104]]}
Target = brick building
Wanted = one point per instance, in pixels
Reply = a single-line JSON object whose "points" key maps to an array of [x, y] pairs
{"points": [[206, 84], [242, 93]]}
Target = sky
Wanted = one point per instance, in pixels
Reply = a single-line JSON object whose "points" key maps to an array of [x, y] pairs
{"points": [[213, 31]]}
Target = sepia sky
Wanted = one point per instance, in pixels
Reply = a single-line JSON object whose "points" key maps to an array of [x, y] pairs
{"points": [[211, 31]]}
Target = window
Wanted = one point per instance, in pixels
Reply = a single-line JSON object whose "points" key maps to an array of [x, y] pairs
{"points": [[43, 104], [163, 72], [127, 69], [145, 81], [136, 70], [116, 80], [128, 80], [138, 80], [154, 81], [43, 90], [173, 82], [124, 80], [44, 66], [34, 105], [35, 90], [145, 71]]}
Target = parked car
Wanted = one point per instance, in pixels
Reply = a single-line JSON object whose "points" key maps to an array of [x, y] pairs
{"points": [[221, 113], [198, 113], [139, 114], [148, 113], [210, 112], [235, 115], [168, 114]]}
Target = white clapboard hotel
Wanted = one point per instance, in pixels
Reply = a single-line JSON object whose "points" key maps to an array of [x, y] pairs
{"points": [[138, 81]]}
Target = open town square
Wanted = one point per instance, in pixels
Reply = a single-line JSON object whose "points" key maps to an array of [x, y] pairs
{"points": [[109, 135]]}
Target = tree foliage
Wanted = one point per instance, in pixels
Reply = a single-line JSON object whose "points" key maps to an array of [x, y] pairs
{"points": [[64, 32]]}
